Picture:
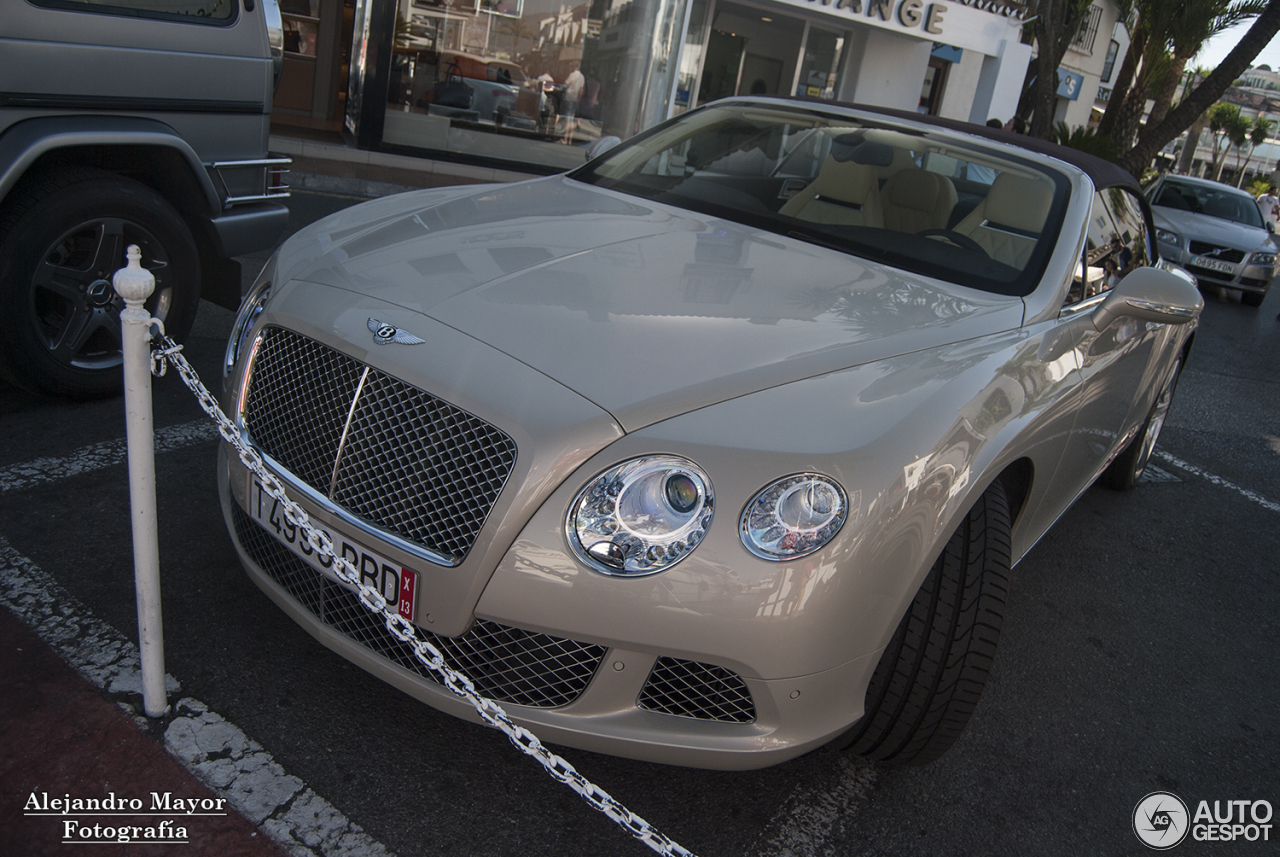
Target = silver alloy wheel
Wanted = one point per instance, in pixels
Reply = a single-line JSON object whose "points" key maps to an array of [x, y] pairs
{"points": [[1155, 422], [73, 304]]}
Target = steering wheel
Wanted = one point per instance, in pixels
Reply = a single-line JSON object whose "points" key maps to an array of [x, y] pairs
{"points": [[962, 241]]}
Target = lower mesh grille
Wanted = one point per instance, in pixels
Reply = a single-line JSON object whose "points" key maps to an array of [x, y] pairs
{"points": [[506, 664], [700, 691]]}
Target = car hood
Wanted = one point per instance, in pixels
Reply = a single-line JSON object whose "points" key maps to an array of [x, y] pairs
{"points": [[1202, 227], [646, 310]]}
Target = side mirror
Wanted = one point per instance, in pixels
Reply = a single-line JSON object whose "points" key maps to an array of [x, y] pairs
{"points": [[599, 147], [1150, 294]]}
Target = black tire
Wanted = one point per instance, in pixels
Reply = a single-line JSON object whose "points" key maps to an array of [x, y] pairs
{"points": [[933, 671], [1253, 299], [64, 236], [1123, 473]]}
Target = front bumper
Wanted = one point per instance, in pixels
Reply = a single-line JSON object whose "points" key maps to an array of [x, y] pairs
{"points": [[1245, 277], [606, 682]]}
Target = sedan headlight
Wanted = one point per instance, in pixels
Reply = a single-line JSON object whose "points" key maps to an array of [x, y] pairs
{"points": [[794, 516], [1164, 236], [642, 516], [1265, 258], [246, 324]]}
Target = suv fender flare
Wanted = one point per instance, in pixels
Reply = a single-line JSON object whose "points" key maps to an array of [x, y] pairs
{"points": [[26, 142]]}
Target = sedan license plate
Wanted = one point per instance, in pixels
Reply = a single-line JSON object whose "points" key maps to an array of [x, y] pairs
{"points": [[1214, 264], [397, 584]]}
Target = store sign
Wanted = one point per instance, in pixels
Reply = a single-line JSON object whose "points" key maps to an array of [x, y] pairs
{"points": [[967, 24], [1069, 84]]}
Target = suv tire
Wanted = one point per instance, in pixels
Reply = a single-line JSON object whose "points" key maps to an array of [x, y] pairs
{"points": [[64, 237]]}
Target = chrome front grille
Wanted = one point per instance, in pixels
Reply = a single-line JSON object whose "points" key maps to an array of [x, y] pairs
{"points": [[506, 664], [1217, 251], [700, 691], [391, 454]]}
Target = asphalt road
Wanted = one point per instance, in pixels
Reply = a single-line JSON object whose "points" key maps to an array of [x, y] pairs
{"points": [[1139, 654]]}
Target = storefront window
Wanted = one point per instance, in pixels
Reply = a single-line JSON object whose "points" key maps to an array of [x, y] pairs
{"points": [[691, 59], [533, 81], [821, 67]]}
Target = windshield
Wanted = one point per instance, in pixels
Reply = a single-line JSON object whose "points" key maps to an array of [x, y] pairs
{"points": [[1214, 200], [933, 202]]}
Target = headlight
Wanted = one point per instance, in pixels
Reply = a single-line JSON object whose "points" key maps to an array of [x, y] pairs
{"points": [[642, 516], [794, 516], [1266, 258], [1164, 236], [246, 324]]}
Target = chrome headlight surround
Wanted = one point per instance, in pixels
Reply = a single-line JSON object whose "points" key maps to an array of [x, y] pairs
{"points": [[1164, 236], [1265, 258], [793, 517], [245, 325], [642, 516]]}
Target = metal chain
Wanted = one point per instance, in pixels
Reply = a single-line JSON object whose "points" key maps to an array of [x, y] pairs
{"points": [[406, 631]]}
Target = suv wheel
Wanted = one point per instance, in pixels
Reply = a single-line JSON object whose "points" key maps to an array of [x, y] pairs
{"points": [[64, 237]]}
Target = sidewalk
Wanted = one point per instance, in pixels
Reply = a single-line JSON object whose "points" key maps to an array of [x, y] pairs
{"points": [[60, 737], [324, 162]]}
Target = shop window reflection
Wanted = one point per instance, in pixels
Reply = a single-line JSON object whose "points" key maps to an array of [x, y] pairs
{"points": [[534, 81]]}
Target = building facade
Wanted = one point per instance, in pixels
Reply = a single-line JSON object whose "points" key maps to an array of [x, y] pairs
{"points": [[532, 82]]}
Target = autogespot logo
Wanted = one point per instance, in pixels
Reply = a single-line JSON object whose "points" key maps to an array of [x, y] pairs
{"points": [[1160, 820]]}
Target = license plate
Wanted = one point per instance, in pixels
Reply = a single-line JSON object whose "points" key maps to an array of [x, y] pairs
{"points": [[397, 584], [1214, 264]]}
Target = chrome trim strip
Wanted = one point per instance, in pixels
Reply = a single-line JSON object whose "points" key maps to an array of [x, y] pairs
{"points": [[365, 528], [346, 427], [257, 162], [1167, 309], [1083, 306]]}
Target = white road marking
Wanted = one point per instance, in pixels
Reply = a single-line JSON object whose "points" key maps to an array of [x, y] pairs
{"points": [[97, 456], [815, 812], [1219, 481], [216, 752]]}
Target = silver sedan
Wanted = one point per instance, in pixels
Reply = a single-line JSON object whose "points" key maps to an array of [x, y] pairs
{"points": [[719, 448], [1216, 232]]}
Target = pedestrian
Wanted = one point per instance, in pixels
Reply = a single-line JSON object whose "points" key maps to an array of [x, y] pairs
{"points": [[569, 109], [1267, 204]]}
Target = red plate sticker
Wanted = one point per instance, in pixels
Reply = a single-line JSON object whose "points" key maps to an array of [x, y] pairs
{"points": [[408, 588]]}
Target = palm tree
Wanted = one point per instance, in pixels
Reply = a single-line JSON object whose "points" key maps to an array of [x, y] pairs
{"points": [[1258, 134], [1238, 134], [1156, 134], [1165, 38], [1221, 118]]}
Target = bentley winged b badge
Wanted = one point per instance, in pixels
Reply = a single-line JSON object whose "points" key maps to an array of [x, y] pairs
{"points": [[384, 334]]}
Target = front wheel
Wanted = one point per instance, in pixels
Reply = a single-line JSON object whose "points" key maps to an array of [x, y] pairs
{"points": [[933, 671], [1123, 473], [65, 236]]}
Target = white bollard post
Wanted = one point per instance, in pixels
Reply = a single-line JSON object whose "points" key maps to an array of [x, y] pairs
{"points": [[135, 284]]}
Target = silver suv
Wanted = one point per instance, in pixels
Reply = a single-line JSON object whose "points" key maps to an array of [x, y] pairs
{"points": [[128, 122]]}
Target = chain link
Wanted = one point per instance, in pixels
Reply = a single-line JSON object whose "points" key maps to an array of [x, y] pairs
{"points": [[404, 630]]}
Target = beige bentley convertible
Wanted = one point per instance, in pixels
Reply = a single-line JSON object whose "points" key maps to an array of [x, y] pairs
{"points": [[719, 448]]}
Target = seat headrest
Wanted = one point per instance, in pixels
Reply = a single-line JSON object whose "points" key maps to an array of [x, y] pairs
{"points": [[854, 147], [1019, 201]]}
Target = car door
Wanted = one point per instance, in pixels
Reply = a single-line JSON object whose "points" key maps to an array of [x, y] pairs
{"points": [[1118, 363]]}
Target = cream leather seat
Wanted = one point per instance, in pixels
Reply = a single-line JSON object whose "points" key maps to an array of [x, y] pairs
{"points": [[1008, 222], [845, 193], [915, 200]]}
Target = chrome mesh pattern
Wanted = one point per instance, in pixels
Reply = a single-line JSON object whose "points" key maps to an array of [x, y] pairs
{"points": [[506, 664], [400, 458], [700, 691]]}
